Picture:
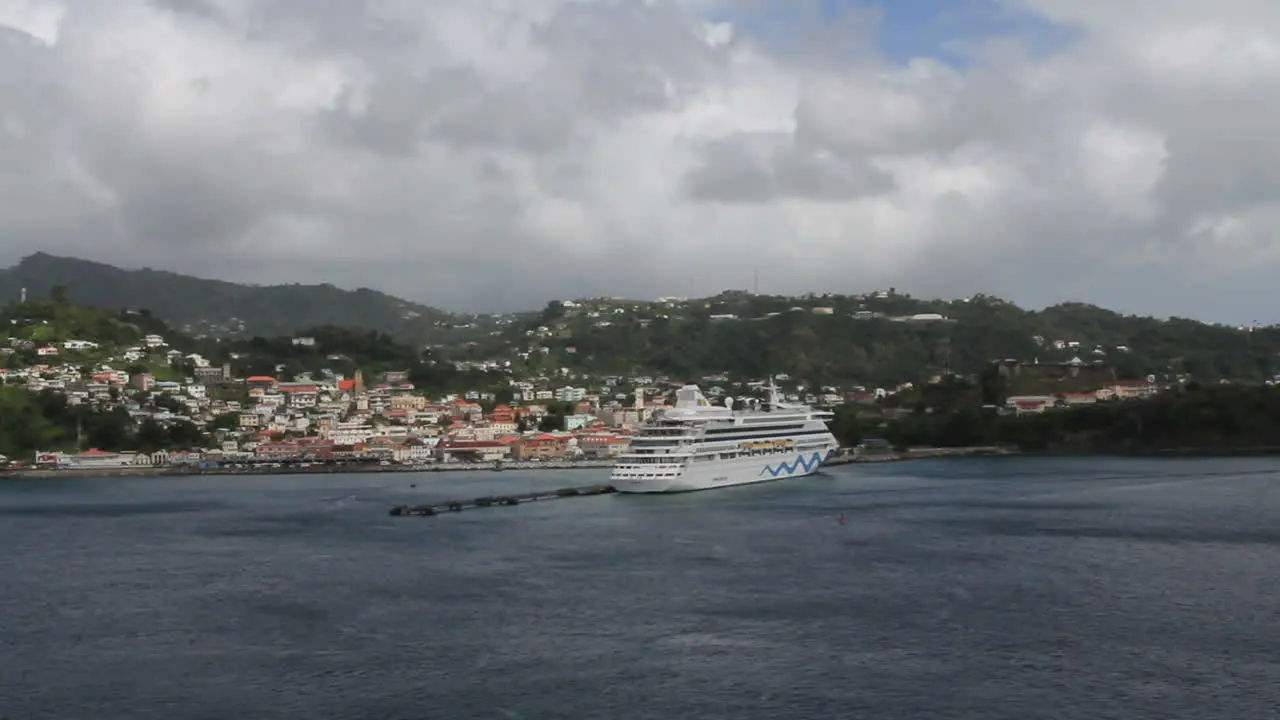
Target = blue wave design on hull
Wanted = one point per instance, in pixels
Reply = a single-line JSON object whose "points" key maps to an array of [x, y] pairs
{"points": [[789, 468]]}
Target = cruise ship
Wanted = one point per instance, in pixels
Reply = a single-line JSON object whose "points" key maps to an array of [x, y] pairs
{"points": [[698, 446]]}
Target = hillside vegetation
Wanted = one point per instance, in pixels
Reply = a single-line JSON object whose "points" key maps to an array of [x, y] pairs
{"points": [[46, 322], [341, 350], [873, 340], [1207, 418], [345, 350], [213, 307], [45, 421], [877, 340]]}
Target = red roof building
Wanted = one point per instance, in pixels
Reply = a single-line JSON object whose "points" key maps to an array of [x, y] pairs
{"points": [[503, 414]]}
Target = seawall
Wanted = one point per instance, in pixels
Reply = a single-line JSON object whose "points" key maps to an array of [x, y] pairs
{"points": [[321, 469], [176, 470]]}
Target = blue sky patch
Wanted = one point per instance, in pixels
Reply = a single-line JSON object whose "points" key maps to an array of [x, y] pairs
{"points": [[905, 29]]}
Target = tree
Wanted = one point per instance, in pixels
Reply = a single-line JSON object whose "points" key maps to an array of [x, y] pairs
{"points": [[225, 421], [151, 436], [553, 311], [165, 401], [845, 426], [184, 434], [112, 430], [551, 422]]}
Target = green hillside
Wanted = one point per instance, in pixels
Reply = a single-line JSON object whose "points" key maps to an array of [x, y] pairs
{"points": [[44, 322], [1212, 418], [876, 340], [212, 307], [48, 322]]}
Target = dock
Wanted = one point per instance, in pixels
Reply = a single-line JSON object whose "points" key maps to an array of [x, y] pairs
{"points": [[428, 510]]}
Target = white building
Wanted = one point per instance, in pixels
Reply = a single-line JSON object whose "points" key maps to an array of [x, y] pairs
{"points": [[350, 433], [570, 394], [87, 460]]}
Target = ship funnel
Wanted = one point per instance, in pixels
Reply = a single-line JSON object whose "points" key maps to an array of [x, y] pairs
{"points": [[690, 396]]}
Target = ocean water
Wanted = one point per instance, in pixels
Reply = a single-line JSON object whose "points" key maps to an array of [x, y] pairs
{"points": [[974, 590]]}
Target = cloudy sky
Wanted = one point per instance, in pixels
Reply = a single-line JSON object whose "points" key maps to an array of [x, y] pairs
{"points": [[494, 154]]}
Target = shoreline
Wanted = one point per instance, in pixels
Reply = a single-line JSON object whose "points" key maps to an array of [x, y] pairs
{"points": [[344, 468], [848, 458], [376, 467]]}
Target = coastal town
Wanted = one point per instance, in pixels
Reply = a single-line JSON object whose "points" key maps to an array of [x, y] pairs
{"points": [[385, 420]]}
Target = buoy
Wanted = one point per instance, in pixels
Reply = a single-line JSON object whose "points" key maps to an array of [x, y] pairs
{"points": [[842, 520]]}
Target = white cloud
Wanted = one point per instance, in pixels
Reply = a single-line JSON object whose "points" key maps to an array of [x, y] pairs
{"points": [[1123, 166], [35, 19], [497, 153]]}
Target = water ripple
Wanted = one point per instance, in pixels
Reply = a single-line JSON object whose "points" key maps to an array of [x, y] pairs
{"points": [[1067, 588]]}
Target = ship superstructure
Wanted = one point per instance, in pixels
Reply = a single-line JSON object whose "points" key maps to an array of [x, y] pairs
{"points": [[696, 445]]}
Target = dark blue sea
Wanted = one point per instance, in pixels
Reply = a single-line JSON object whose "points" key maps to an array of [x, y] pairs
{"points": [[973, 590]]}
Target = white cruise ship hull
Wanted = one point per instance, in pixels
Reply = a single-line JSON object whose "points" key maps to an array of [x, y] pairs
{"points": [[727, 473]]}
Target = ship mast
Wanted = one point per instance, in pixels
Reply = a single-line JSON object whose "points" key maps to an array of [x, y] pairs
{"points": [[773, 394]]}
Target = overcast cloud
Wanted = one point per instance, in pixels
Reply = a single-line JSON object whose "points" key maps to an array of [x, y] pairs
{"points": [[494, 154]]}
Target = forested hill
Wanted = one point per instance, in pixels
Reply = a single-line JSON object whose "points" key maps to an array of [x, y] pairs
{"points": [[879, 340], [111, 336], [199, 306]]}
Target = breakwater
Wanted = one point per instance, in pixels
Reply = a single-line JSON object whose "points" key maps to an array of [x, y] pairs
{"points": [[923, 453], [432, 509]]}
